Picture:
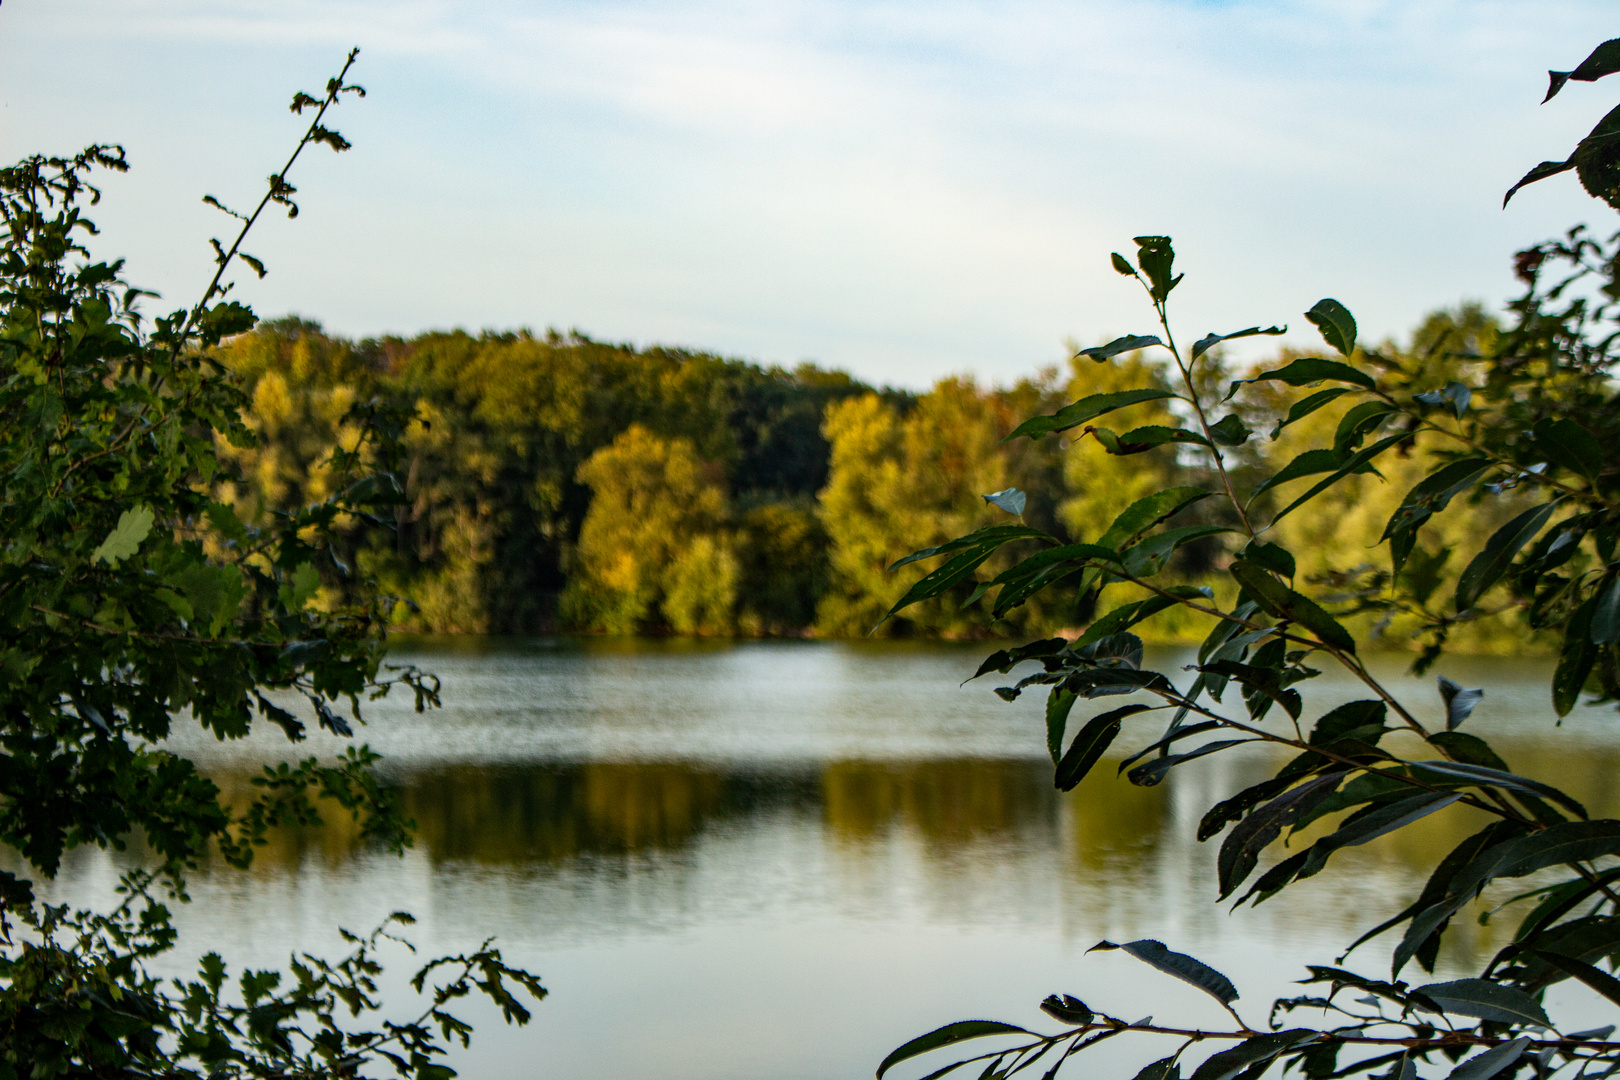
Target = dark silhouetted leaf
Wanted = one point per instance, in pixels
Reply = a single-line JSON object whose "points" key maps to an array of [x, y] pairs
{"points": [[1128, 343], [1147, 512], [1090, 744], [1603, 60], [1058, 704], [1209, 341], [1004, 660], [1540, 172], [1460, 746], [1356, 463], [1359, 422], [1227, 811], [1569, 445], [1309, 463], [1575, 660], [1486, 1000], [1154, 771], [1156, 257], [1069, 1010], [1170, 738], [1373, 822], [1308, 370], [1253, 1051], [1458, 770], [1434, 493], [1121, 265], [1182, 966], [1486, 1065], [1597, 979], [1351, 716], [960, 1031], [1570, 841], [1163, 1069], [990, 536], [1606, 612], [1240, 853], [1496, 556], [1142, 439]]}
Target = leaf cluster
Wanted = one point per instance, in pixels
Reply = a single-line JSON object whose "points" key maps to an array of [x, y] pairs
{"points": [[1532, 422]]}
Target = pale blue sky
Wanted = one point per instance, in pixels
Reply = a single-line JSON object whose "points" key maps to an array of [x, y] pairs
{"points": [[903, 189]]}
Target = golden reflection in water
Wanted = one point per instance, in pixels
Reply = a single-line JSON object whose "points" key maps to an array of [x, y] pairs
{"points": [[1122, 846], [948, 804], [505, 815]]}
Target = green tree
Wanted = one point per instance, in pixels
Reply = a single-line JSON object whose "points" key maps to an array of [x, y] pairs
{"points": [[134, 600]]}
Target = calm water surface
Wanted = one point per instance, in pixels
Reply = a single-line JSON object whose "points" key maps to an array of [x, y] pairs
{"points": [[778, 860]]}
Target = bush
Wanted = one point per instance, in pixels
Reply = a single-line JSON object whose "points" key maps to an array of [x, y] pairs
{"points": [[132, 598]]}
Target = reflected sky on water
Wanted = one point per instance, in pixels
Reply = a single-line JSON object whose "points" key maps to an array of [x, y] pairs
{"points": [[783, 859]]}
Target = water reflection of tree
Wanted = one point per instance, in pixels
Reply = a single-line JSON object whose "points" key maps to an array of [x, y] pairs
{"points": [[948, 803]]}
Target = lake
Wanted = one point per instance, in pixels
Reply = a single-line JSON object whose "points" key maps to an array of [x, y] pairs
{"points": [[783, 859]]}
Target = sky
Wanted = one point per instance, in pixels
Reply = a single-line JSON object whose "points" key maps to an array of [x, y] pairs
{"points": [[902, 189]]}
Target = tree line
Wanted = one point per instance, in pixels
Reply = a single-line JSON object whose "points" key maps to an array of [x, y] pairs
{"points": [[556, 482]]}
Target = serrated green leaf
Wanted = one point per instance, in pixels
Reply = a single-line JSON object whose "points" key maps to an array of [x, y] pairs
{"points": [[1337, 325], [1058, 705], [1209, 341], [1068, 1010], [1354, 464], [1575, 659], [1308, 370], [1230, 431], [1486, 1065], [1090, 744], [1250, 1052], [961, 1031], [1569, 445], [1128, 343], [1156, 258], [1485, 1000], [1087, 408], [1240, 852], [1147, 512], [134, 525], [1284, 603], [1307, 405]]}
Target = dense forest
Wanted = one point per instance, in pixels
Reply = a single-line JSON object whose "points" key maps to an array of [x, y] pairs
{"points": [[560, 483]]}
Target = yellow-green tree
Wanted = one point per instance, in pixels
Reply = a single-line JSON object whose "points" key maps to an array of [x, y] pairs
{"points": [[898, 482], [651, 499]]}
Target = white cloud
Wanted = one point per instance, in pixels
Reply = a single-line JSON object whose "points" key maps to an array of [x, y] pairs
{"points": [[903, 188]]}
